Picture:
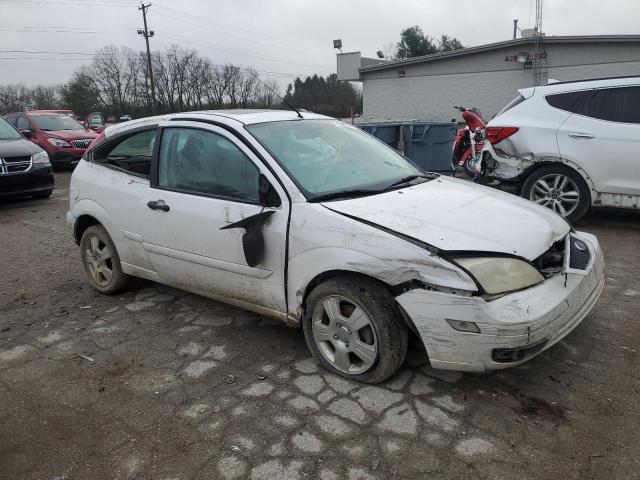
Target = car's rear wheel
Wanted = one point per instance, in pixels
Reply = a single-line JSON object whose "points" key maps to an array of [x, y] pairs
{"points": [[353, 327], [561, 189], [101, 261]]}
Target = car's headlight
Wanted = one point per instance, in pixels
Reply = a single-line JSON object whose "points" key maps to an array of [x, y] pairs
{"points": [[58, 142], [40, 158], [500, 274]]}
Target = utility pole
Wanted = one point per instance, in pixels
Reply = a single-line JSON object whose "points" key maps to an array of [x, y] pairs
{"points": [[146, 33], [515, 28]]}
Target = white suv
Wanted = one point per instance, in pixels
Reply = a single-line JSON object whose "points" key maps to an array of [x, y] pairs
{"points": [[570, 145], [314, 222]]}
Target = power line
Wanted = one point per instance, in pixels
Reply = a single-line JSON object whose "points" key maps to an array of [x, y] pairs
{"points": [[253, 36], [49, 53], [236, 51], [43, 58], [80, 3]]}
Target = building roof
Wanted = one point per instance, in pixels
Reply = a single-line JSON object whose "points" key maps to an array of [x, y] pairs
{"points": [[509, 43]]}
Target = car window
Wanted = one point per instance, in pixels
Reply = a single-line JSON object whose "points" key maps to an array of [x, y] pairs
{"points": [[207, 163], [516, 101], [132, 154], [574, 102], [330, 156], [12, 120], [620, 104], [95, 119], [56, 121], [23, 123], [7, 131]]}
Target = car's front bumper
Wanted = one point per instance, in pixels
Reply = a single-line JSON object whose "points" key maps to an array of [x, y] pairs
{"points": [[69, 157], [38, 179], [525, 323]]}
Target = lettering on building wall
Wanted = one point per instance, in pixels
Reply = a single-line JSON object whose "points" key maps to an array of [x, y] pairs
{"points": [[534, 56]]}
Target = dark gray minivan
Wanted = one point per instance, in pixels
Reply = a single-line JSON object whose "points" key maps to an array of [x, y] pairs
{"points": [[24, 167]]}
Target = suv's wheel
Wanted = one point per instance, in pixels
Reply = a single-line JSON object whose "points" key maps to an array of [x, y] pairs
{"points": [[354, 329], [101, 261], [559, 188]]}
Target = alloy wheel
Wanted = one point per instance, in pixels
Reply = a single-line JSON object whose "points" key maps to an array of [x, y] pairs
{"points": [[556, 191], [344, 334], [98, 260]]}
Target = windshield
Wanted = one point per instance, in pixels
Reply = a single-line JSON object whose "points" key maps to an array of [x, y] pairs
{"points": [[7, 132], [56, 121], [329, 156]]}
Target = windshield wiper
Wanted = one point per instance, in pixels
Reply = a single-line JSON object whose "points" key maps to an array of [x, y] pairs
{"points": [[410, 178], [357, 192]]}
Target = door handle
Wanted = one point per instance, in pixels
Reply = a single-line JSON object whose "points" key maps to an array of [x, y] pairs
{"points": [[158, 205], [581, 135]]}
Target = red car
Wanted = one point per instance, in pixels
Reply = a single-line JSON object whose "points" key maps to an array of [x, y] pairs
{"points": [[62, 137]]}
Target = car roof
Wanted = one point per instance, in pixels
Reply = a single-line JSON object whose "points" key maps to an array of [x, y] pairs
{"points": [[241, 116], [573, 85]]}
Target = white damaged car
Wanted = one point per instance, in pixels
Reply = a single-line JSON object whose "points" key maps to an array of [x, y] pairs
{"points": [[309, 220]]}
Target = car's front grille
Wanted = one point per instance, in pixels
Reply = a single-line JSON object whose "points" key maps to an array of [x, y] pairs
{"points": [[81, 143], [579, 254], [14, 164]]}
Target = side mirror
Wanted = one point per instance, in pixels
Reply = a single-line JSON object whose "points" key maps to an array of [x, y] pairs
{"points": [[268, 195], [27, 133]]}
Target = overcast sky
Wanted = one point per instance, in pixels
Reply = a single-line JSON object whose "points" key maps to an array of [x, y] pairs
{"points": [[284, 37]]}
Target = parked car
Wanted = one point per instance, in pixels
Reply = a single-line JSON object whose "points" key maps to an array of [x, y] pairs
{"points": [[96, 122], [316, 223], [570, 145], [24, 167], [63, 138]]}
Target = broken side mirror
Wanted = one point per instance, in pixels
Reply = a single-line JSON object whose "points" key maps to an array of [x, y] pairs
{"points": [[252, 239], [268, 195]]}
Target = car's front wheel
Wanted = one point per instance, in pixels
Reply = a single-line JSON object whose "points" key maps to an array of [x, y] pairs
{"points": [[559, 188], [101, 261], [353, 328]]}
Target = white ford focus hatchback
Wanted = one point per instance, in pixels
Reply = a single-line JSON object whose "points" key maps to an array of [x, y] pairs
{"points": [[316, 223]]}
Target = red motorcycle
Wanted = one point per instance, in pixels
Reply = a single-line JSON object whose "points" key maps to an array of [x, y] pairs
{"points": [[469, 141]]}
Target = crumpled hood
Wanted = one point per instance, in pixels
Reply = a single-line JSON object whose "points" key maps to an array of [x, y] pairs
{"points": [[453, 214], [69, 135]]}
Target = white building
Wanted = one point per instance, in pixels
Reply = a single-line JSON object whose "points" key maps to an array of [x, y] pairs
{"points": [[486, 77]]}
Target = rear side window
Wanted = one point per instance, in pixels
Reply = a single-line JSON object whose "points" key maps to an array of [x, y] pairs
{"points": [[133, 154], [12, 120], [574, 102], [23, 123], [621, 104]]}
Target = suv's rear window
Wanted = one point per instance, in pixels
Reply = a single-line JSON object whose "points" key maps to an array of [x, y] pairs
{"points": [[516, 101], [574, 102]]}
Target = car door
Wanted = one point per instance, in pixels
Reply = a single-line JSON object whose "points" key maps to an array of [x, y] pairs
{"points": [[206, 180], [604, 139], [116, 178]]}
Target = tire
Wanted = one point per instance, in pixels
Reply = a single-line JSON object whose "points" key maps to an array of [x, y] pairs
{"points": [[381, 343], [571, 183], [468, 171], [101, 261], [40, 195]]}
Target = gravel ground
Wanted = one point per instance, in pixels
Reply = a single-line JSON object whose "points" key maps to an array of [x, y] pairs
{"points": [[161, 384]]}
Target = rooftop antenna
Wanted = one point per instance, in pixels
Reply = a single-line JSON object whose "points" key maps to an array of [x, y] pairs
{"points": [[282, 99]]}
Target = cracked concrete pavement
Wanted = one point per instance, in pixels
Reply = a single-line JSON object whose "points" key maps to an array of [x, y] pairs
{"points": [[160, 384]]}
